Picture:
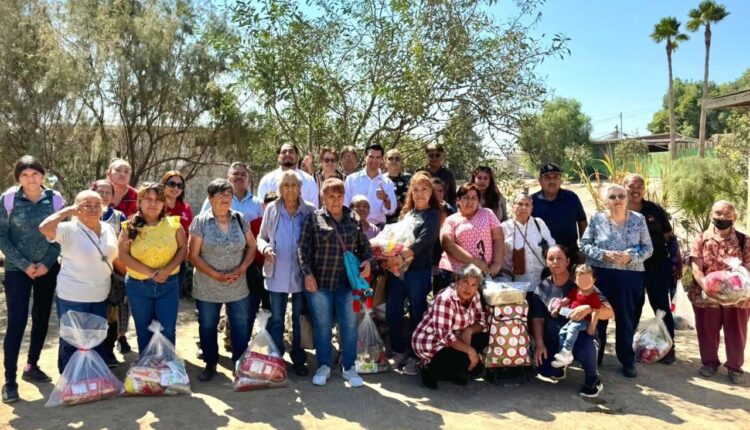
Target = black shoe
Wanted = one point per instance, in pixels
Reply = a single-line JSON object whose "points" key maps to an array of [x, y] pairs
{"points": [[124, 345], [10, 393], [629, 371], [427, 379], [111, 361], [592, 390], [300, 369], [669, 358], [207, 374], [35, 374]]}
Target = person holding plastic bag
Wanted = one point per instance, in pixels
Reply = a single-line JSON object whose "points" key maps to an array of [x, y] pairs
{"points": [[261, 364], [159, 370], [86, 378], [422, 211], [88, 248], [321, 259], [708, 254], [652, 342]]}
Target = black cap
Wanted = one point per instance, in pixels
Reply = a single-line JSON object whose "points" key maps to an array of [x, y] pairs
{"points": [[549, 168]]}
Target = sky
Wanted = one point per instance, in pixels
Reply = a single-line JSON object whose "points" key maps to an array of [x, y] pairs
{"points": [[614, 65]]}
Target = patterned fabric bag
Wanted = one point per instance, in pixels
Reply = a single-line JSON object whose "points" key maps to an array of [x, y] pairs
{"points": [[509, 337]]}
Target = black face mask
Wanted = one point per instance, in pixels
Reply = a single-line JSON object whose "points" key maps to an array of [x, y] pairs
{"points": [[722, 224]]}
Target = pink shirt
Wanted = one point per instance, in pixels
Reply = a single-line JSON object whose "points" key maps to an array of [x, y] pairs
{"points": [[467, 233]]}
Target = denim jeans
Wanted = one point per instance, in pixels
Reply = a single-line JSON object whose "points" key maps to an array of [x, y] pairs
{"points": [[584, 351], [276, 324], [66, 350], [569, 333], [18, 290], [415, 285], [321, 304], [150, 300], [208, 322]]}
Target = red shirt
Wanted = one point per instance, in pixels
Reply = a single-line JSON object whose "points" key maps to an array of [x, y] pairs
{"points": [[577, 298], [129, 203], [255, 228], [182, 210]]}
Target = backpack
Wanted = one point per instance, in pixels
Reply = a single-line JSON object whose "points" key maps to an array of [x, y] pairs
{"points": [[9, 199]]}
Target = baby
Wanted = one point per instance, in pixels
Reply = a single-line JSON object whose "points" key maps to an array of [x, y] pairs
{"points": [[583, 293], [361, 206]]}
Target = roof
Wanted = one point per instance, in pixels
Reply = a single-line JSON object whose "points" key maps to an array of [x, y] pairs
{"points": [[732, 100], [653, 139]]}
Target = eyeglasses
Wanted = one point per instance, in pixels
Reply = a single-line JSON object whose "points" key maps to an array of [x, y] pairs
{"points": [[434, 155], [178, 185], [394, 158], [469, 199], [329, 160], [617, 197]]}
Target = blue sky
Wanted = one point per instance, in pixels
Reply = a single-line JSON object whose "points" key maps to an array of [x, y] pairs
{"points": [[614, 65]]}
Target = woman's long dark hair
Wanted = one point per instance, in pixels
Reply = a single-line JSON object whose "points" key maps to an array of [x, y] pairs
{"points": [[491, 195], [171, 174], [137, 221]]}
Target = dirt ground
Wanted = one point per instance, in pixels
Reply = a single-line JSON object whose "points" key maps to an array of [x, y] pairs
{"points": [[660, 397]]}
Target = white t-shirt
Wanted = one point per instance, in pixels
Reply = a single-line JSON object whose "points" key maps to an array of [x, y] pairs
{"points": [[270, 182], [83, 276]]}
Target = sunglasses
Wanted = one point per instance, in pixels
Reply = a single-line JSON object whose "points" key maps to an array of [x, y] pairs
{"points": [[434, 155], [617, 197], [394, 158], [178, 185], [329, 160]]}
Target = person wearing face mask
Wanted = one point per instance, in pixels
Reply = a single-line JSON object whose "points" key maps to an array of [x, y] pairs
{"points": [[707, 254], [288, 156], [616, 243]]}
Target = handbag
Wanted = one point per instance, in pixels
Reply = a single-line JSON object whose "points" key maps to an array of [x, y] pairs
{"points": [[117, 283], [526, 242], [251, 274]]}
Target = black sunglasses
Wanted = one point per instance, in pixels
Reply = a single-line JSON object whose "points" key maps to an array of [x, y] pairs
{"points": [[178, 185]]}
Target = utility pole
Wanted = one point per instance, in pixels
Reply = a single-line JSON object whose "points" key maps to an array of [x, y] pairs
{"points": [[621, 130]]}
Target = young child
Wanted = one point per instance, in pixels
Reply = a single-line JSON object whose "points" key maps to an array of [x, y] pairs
{"points": [[583, 293], [361, 206]]}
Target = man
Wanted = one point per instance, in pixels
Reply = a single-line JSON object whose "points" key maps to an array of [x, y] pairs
{"points": [[242, 199], [288, 156], [370, 182], [435, 158], [349, 161], [560, 209]]}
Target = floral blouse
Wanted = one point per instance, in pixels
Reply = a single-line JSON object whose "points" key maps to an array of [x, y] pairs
{"points": [[603, 234], [713, 249]]}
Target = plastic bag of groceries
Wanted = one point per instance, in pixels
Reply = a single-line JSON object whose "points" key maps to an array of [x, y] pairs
{"points": [[261, 365], [370, 348], [728, 287], [498, 292], [159, 371], [682, 310], [86, 377], [652, 341], [392, 241]]}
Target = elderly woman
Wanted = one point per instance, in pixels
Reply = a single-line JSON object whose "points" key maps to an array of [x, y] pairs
{"points": [[707, 255], [452, 333], [361, 206], [658, 278], [278, 241], [152, 246], [616, 243], [471, 236], [423, 207], [30, 266], [88, 248], [395, 172], [221, 248], [329, 160], [526, 240], [546, 327], [490, 194], [326, 234]]}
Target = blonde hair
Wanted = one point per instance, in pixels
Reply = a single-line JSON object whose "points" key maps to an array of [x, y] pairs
{"points": [[584, 269]]}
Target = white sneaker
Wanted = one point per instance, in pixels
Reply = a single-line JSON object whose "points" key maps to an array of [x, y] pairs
{"points": [[398, 359], [562, 359], [411, 367], [353, 377], [321, 375]]}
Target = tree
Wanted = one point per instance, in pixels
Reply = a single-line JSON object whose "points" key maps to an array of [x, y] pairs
{"points": [[707, 13], [462, 143], [687, 95], [555, 134], [668, 30]]}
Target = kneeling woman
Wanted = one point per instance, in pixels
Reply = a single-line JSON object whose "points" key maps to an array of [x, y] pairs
{"points": [[452, 333]]}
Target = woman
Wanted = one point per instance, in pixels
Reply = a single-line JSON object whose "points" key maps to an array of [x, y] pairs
{"points": [[361, 206], [546, 328], [119, 315], [278, 241], [349, 160], [174, 189], [658, 278], [471, 236], [446, 210], [616, 243], [526, 240], [221, 248], [329, 160], [707, 255], [326, 283], [393, 165], [125, 198], [423, 207], [88, 248], [30, 267], [452, 334], [152, 246], [490, 194]]}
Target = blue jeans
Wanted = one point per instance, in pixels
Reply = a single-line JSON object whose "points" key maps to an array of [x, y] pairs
{"points": [[624, 291], [208, 322], [322, 304], [415, 285], [276, 324], [584, 351], [66, 350], [569, 333], [150, 300]]}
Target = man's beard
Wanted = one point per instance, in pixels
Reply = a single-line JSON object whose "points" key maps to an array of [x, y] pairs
{"points": [[287, 164]]}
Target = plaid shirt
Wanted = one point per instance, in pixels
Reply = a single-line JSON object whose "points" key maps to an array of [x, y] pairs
{"points": [[443, 322], [320, 253]]}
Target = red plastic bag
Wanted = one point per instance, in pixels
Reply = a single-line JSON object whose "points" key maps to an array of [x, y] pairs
{"points": [[261, 366], [652, 341]]}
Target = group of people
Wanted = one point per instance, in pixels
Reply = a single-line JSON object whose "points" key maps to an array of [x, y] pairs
{"points": [[287, 243]]}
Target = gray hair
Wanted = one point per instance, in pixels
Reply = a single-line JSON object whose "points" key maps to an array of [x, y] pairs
{"points": [[290, 174], [524, 196], [236, 166], [608, 189], [470, 271], [726, 203], [87, 194], [360, 198]]}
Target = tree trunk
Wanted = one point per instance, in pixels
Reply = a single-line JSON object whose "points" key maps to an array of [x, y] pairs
{"points": [[702, 132], [672, 143]]}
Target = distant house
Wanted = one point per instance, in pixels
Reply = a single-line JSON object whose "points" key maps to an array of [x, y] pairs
{"points": [[655, 142]]}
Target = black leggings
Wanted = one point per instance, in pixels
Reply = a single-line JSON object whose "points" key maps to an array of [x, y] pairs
{"points": [[450, 364]]}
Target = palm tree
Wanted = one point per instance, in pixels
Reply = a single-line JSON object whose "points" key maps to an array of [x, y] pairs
{"points": [[707, 13], [668, 29]]}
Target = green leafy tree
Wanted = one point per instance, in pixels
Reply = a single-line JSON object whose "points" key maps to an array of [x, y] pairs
{"points": [[687, 110], [707, 13], [734, 149], [668, 30]]}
